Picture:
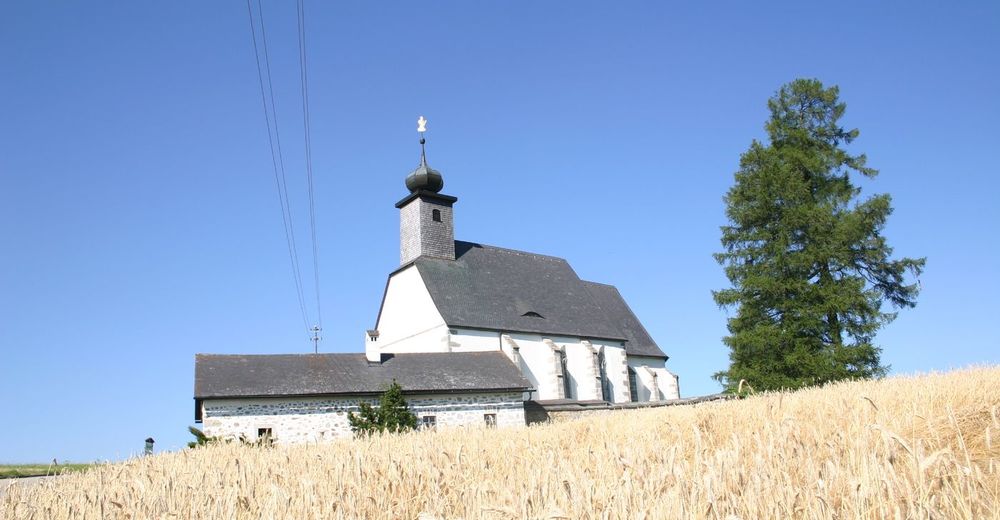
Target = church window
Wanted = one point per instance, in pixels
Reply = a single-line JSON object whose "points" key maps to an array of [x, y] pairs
{"points": [[490, 419], [436, 215], [633, 385], [265, 436], [564, 375], [428, 422], [602, 375], [533, 314]]}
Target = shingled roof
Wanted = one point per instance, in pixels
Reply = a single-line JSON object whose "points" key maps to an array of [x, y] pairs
{"points": [[638, 341], [492, 288], [221, 376]]}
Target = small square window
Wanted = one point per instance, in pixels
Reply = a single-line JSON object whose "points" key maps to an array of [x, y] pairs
{"points": [[265, 436], [428, 422], [490, 419]]}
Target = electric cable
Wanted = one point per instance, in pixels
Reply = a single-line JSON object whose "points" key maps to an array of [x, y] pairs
{"points": [[277, 159], [307, 135]]}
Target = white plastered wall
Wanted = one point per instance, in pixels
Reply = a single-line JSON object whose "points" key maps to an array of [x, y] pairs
{"points": [[615, 369], [583, 369], [409, 321], [535, 358], [538, 361], [318, 419], [652, 373], [473, 340]]}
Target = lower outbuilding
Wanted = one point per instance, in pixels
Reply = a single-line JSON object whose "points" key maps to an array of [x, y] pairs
{"points": [[296, 398]]}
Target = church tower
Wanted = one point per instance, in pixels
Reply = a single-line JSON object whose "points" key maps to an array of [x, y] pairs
{"points": [[426, 227]]}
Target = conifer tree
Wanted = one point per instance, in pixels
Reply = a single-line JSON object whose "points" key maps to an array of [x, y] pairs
{"points": [[809, 267], [392, 415]]}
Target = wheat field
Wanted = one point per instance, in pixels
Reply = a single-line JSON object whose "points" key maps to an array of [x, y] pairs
{"points": [[905, 447]]}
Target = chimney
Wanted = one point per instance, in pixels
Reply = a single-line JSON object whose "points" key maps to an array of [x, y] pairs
{"points": [[371, 347]]}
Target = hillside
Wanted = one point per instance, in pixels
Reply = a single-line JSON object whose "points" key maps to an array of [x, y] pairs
{"points": [[905, 447]]}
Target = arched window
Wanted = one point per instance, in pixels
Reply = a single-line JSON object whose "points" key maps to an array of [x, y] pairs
{"points": [[436, 215], [564, 375], [602, 368], [633, 386]]}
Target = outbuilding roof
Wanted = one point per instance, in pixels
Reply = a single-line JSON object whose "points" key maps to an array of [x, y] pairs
{"points": [[279, 375], [493, 288]]}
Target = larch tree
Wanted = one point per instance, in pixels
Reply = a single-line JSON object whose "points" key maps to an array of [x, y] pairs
{"points": [[810, 269]]}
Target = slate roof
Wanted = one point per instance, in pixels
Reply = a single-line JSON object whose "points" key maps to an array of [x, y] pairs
{"points": [[492, 288], [274, 375], [638, 341]]}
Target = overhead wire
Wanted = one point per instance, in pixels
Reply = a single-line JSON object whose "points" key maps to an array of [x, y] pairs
{"points": [[277, 158], [307, 135], [281, 163]]}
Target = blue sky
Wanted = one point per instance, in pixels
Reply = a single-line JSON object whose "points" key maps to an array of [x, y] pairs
{"points": [[140, 223]]}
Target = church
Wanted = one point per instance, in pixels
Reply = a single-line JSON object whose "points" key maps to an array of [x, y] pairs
{"points": [[472, 333]]}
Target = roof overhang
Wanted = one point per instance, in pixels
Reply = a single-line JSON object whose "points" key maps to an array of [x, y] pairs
{"points": [[201, 398], [428, 195], [455, 325]]}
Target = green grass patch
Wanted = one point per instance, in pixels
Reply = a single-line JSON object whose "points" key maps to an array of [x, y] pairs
{"points": [[35, 470]]}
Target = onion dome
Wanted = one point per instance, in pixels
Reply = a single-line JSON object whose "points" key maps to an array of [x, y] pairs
{"points": [[424, 177]]}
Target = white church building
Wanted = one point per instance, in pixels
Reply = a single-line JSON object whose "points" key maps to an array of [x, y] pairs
{"points": [[471, 332]]}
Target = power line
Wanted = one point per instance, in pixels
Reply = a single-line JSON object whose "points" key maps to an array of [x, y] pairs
{"points": [[307, 134], [277, 159], [284, 182]]}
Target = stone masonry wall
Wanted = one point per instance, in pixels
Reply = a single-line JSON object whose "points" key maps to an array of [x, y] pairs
{"points": [[536, 412], [299, 420]]}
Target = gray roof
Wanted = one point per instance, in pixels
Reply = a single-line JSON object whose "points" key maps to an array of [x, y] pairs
{"points": [[492, 288], [638, 341], [219, 376]]}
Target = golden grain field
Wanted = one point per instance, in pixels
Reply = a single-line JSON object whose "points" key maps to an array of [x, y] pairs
{"points": [[905, 447]]}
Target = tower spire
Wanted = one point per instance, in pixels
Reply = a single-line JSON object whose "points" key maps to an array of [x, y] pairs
{"points": [[426, 223], [424, 178], [421, 128]]}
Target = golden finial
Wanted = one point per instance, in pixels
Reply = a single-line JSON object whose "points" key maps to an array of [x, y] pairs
{"points": [[421, 124]]}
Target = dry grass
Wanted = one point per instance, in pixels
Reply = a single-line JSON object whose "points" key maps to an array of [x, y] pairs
{"points": [[38, 470], [913, 447]]}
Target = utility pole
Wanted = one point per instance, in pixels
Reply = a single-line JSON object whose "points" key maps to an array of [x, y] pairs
{"points": [[315, 339]]}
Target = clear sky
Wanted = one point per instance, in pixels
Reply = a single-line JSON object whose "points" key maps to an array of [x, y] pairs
{"points": [[139, 221]]}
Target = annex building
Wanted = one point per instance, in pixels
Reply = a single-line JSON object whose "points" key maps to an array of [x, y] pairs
{"points": [[470, 332]]}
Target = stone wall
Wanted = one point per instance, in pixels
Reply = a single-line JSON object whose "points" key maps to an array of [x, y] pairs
{"points": [[544, 412], [317, 419]]}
